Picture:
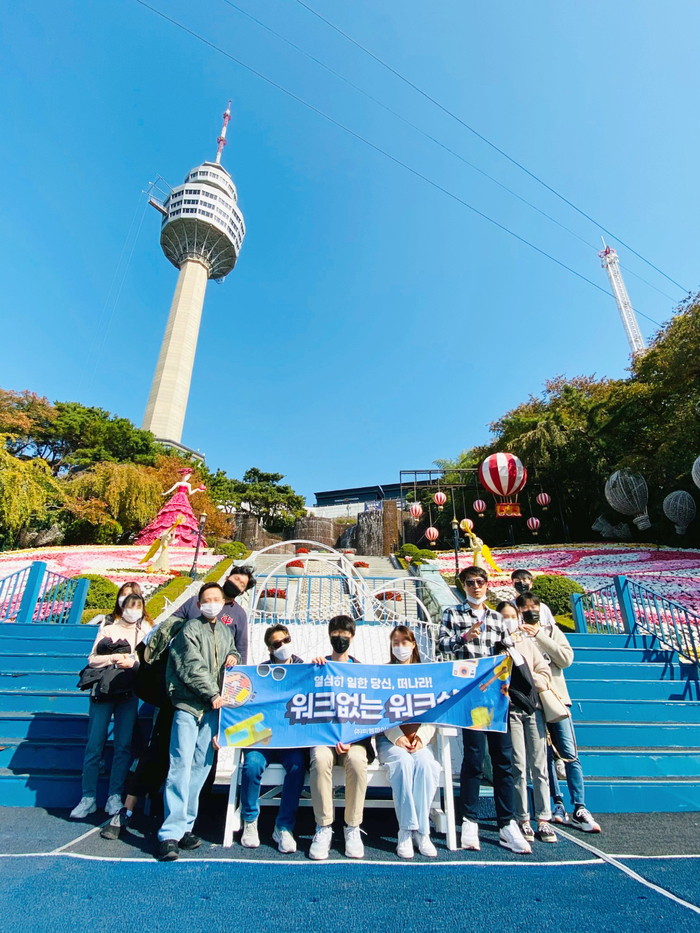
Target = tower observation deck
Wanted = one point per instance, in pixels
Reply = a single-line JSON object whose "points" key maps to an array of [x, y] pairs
{"points": [[201, 234]]}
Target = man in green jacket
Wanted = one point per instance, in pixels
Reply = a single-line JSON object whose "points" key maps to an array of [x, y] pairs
{"points": [[199, 654]]}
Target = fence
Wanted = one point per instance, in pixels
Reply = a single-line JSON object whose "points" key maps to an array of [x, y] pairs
{"points": [[35, 594], [625, 607]]}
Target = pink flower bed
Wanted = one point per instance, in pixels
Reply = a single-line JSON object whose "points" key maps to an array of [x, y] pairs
{"points": [[116, 563], [671, 572]]}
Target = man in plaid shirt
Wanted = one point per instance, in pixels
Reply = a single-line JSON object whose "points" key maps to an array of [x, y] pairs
{"points": [[472, 631]]}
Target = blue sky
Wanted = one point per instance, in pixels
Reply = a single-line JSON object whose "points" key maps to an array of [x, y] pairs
{"points": [[372, 323]]}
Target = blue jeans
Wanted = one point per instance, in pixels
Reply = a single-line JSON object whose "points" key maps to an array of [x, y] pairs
{"points": [[254, 763], [124, 712], [191, 758], [564, 740], [414, 778]]}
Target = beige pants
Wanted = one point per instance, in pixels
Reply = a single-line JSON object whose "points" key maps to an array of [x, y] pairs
{"points": [[321, 775]]}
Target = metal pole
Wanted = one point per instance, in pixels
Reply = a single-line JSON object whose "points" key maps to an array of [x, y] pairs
{"points": [[455, 530], [202, 520]]}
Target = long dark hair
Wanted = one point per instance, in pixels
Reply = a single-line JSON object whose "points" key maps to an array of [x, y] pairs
{"points": [[135, 589], [406, 631]]}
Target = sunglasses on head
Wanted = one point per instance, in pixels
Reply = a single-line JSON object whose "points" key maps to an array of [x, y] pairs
{"points": [[284, 641], [475, 581]]}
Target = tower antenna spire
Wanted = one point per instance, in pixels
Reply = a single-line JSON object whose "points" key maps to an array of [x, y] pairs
{"points": [[611, 264], [222, 139]]}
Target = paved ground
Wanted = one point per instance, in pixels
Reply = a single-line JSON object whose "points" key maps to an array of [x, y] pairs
{"points": [[57, 875]]}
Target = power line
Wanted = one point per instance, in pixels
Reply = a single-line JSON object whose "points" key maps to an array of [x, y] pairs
{"points": [[433, 139], [376, 148], [487, 141]]}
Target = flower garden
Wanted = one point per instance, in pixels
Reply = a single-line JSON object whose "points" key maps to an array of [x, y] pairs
{"points": [[671, 572]]}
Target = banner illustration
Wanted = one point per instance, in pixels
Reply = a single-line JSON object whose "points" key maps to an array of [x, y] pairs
{"points": [[301, 705]]}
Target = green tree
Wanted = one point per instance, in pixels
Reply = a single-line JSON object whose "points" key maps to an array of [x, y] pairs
{"points": [[28, 491], [127, 494]]}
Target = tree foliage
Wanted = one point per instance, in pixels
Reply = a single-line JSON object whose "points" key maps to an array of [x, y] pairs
{"points": [[28, 491]]}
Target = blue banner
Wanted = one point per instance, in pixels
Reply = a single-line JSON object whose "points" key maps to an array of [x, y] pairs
{"points": [[301, 705]]}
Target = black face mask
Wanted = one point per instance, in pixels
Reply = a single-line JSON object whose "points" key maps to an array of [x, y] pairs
{"points": [[531, 616], [231, 591], [340, 643], [521, 586]]}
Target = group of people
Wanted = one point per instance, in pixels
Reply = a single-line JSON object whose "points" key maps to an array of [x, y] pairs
{"points": [[179, 667]]}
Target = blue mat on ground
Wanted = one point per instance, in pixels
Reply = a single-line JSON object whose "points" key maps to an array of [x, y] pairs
{"points": [[680, 876], [53, 894]]}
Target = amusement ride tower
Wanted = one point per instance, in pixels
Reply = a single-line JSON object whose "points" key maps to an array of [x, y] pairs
{"points": [[201, 233], [611, 263]]}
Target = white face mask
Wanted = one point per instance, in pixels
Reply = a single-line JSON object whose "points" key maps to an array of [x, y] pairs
{"points": [[283, 653], [476, 600], [132, 616], [402, 652], [211, 610]]}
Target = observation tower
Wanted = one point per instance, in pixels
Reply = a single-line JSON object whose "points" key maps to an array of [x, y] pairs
{"points": [[611, 263], [201, 234]]}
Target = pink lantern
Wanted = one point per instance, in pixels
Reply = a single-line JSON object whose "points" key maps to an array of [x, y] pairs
{"points": [[480, 507], [533, 524], [439, 499], [544, 499], [466, 524], [432, 534], [416, 510]]}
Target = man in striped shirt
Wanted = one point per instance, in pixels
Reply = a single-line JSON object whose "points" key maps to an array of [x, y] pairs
{"points": [[473, 631]]}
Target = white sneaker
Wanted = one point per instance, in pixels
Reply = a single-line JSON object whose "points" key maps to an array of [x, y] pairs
{"points": [[250, 838], [404, 849], [321, 843], [86, 806], [286, 843], [511, 838], [113, 805], [582, 819], [470, 835], [354, 847], [424, 843]]}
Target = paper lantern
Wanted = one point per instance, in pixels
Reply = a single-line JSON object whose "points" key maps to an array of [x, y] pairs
{"points": [[432, 534], [504, 475], [533, 524], [439, 499], [544, 499], [480, 507], [627, 493], [679, 506], [416, 510], [466, 524]]}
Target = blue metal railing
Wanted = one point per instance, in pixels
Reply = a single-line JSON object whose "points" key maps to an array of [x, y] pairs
{"points": [[34, 594], [598, 611]]}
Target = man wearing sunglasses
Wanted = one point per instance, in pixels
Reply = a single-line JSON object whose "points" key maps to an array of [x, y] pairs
{"points": [[474, 631], [279, 644]]}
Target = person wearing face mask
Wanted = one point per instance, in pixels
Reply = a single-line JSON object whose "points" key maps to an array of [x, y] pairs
{"points": [[199, 655], [406, 754], [474, 631], [126, 589], [522, 581], [293, 760], [113, 651], [555, 646], [354, 758], [238, 581]]}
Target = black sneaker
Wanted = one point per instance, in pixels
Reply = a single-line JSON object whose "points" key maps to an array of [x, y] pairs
{"points": [[190, 841], [167, 852], [118, 822]]}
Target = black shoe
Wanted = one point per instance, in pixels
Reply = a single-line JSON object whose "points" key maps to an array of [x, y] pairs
{"points": [[118, 822], [190, 841], [167, 851]]}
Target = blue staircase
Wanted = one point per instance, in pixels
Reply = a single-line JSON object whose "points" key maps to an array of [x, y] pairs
{"points": [[636, 709]]}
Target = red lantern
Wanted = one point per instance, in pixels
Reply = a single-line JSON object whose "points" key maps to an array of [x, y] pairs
{"points": [[480, 507], [533, 524], [439, 499], [504, 476], [466, 524], [544, 499], [416, 510], [432, 534]]}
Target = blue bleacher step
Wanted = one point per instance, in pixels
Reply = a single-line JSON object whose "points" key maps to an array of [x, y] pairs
{"points": [[612, 795], [69, 662], [49, 790], [48, 634], [625, 655], [37, 756], [623, 710], [611, 734], [596, 640], [599, 689], [21, 725], [640, 762], [19, 644], [606, 670], [38, 680], [43, 701]]}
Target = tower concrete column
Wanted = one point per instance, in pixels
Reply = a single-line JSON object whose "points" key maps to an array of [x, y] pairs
{"points": [[167, 403]]}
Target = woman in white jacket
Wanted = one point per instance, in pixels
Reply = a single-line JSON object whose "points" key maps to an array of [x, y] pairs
{"points": [[413, 772]]}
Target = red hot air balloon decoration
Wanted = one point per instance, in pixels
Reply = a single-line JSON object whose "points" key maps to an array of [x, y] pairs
{"points": [[439, 499], [544, 500], [504, 475], [466, 524], [480, 507], [416, 510], [533, 524], [432, 534]]}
